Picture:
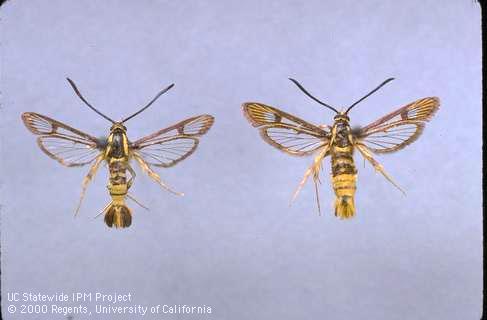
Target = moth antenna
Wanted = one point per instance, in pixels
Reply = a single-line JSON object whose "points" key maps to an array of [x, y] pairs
{"points": [[149, 104], [311, 96], [368, 94], [71, 82]]}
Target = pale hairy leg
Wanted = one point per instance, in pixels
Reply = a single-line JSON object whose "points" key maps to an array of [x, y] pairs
{"points": [[132, 176], [104, 210], [377, 166], [153, 175], [317, 197], [131, 197], [313, 169], [87, 180]]}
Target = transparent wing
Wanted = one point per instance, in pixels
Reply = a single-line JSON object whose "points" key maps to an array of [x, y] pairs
{"points": [[399, 128], [291, 140], [284, 131], [392, 137], [169, 152], [68, 146], [169, 146]]}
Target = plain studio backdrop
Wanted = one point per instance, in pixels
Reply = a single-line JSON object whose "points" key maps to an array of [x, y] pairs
{"points": [[232, 242]]}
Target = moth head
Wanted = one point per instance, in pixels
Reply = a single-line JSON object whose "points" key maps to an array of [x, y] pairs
{"points": [[117, 127], [341, 116]]}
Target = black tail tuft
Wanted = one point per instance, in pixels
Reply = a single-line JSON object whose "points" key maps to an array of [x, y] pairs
{"points": [[118, 216]]}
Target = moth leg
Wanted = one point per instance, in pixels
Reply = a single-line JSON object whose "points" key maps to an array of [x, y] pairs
{"points": [[317, 198], [153, 175], [131, 197], [87, 180], [315, 169], [104, 210], [132, 176], [377, 166], [129, 184]]}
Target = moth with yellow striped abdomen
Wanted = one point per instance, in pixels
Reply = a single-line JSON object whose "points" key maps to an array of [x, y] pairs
{"points": [[298, 137], [72, 148]]}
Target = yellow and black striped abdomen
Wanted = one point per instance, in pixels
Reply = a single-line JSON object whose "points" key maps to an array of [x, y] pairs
{"points": [[344, 177], [117, 213], [118, 178]]}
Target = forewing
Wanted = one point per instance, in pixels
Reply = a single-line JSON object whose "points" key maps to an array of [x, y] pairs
{"points": [[68, 146], [420, 110], [399, 128], [169, 146], [284, 131]]}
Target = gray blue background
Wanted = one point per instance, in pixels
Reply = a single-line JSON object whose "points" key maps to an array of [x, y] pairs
{"points": [[232, 242]]}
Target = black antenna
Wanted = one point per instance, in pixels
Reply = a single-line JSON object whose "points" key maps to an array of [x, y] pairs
{"points": [[148, 105], [86, 102], [309, 95], [368, 94]]}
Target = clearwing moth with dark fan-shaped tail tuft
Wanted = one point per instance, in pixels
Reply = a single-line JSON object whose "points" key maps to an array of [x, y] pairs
{"points": [[73, 148]]}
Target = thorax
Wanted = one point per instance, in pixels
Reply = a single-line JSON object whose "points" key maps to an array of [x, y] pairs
{"points": [[342, 136], [117, 146]]}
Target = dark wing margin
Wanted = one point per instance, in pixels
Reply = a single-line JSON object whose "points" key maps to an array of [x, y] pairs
{"points": [[419, 110], [168, 146], [67, 145], [400, 128], [284, 131]]}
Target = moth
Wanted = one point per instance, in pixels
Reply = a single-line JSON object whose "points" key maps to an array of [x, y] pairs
{"points": [[73, 148], [297, 137]]}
